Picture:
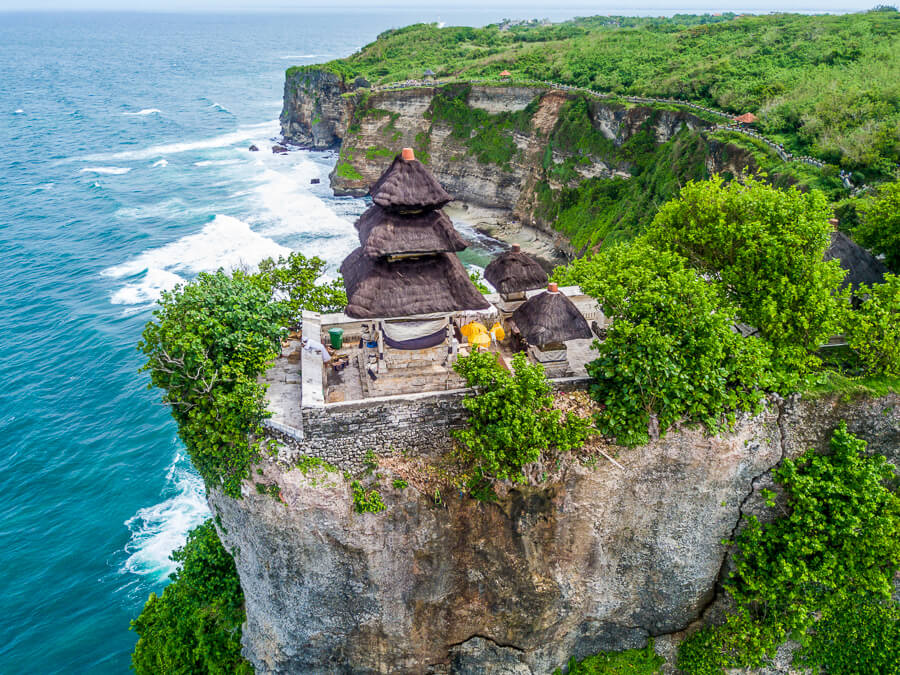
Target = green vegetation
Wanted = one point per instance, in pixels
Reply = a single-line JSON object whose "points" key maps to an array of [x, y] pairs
{"points": [[629, 662], [763, 247], [600, 211], [670, 353], [195, 625], [827, 86], [308, 463], [511, 417], [832, 553], [476, 278], [488, 137], [366, 501], [348, 171], [271, 489], [400, 484], [873, 330], [880, 224], [207, 345]]}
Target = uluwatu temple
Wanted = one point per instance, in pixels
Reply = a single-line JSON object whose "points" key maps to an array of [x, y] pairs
{"points": [[413, 310]]}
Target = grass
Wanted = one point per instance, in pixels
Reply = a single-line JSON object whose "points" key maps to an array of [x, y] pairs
{"points": [[828, 383], [629, 662]]}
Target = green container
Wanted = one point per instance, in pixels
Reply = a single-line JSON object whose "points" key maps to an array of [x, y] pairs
{"points": [[336, 335]]}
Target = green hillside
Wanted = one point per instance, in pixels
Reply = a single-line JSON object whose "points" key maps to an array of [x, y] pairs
{"points": [[826, 86]]}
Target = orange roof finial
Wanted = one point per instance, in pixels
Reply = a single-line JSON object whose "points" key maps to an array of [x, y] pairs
{"points": [[408, 154], [552, 287]]}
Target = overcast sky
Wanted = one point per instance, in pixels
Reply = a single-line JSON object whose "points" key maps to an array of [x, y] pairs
{"points": [[517, 8]]}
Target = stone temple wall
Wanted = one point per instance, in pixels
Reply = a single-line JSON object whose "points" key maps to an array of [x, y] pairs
{"points": [[342, 433]]}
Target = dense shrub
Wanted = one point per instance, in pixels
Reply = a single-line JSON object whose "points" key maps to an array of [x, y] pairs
{"points": [[764, 247], [628, 662], [873, 330], [670, 353], [836, 542], [879, 228], [208, 343], [195, 625], [511, 416]]}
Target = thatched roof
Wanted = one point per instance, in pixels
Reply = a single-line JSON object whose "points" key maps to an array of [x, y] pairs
{"points": [[513, 271], [746, 118], [383, 232], [429, 73], [550, 318], [408, 186], [378, 289], [862, 267]]}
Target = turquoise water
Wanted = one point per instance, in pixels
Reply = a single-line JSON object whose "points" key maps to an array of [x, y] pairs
{"points": [[125, 169]]}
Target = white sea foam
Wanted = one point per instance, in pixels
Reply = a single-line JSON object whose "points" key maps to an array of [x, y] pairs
{"points": [[158, 530], [223, 242], [217, 162], [19, 112], [143, 112], [219, 106], [161, 162], [110, 170], [251, 131], [299, 56]]}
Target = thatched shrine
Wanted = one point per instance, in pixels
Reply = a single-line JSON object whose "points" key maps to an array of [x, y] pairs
{"points": [[513, 272], [405, 272], [545, 322], [861, 266]]}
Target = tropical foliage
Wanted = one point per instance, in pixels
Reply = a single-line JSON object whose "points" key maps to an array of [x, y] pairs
{"points": [[511, 416], [207, 345], [764, 248], [873, 330], [880, 224], [195, 625], [670, 352], [629, 662], [832, 553]]}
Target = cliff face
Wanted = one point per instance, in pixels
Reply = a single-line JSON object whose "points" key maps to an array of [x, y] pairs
{"points": [[370, 127], [594, 558]]}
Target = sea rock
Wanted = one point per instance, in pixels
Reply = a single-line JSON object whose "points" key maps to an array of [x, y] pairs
{"points": [[314, 181], [253, 148], [279, 149], [595, 558]]}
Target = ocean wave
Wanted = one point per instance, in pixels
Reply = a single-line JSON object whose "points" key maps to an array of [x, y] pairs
{"points": [[107, 170], [223, 242], [219, 106], [161, 162], [158, 530], [245, 133], [144, 111], [19, 111], [217, 162], [299, 56]]}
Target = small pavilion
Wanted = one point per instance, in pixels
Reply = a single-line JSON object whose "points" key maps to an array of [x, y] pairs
{"points": [[512, 273], [505, 75], [545, 322], [746, 118], [428, 74]]}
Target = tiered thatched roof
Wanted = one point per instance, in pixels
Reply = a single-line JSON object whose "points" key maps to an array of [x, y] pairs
{"points": [[550, 318], [862, 267], [514, 272], [377, 288], [383, 233], [408, 187], [406, 264]]}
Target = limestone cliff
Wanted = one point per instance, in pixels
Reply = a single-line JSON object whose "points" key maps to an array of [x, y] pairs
{"points": [[593, 558], [501, 164]]}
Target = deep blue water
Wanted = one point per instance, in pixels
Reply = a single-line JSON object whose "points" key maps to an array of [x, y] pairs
{"points": [[124, 169]]}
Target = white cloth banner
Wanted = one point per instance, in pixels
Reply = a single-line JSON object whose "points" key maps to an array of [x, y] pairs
{"points": [[401, 331]]}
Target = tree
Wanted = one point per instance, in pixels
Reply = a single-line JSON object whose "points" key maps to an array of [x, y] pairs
{"points": [[293, 280], [873, 330], [670, 353], [880, 226], [195, 625], [209, 341], [764, 247], [511, 416]]}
